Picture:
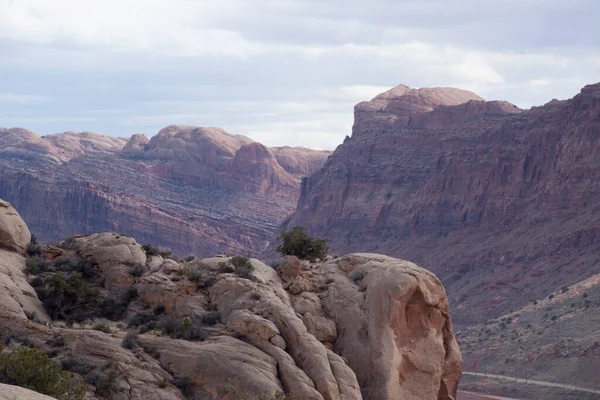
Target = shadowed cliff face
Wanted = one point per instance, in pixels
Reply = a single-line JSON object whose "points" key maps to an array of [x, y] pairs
{"points": [[499, 202], [199, 190]]}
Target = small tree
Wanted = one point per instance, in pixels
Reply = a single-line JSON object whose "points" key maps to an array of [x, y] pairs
{"points": [[32, 369], [296, 242]]}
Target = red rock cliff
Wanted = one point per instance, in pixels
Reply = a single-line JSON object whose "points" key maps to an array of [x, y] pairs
{"points": [[500, 202]]}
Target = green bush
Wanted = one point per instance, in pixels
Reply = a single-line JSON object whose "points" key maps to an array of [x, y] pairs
{"points": [[243, 267], [150, 250], [32, 266], [32, 369], [67, 296], [33, 249], [296, 242]]}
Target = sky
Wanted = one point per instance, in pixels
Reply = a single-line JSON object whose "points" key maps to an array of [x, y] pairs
{"points": [[284, 72]]}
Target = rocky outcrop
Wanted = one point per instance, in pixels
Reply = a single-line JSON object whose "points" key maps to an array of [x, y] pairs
{"points": [[18, 300], [393, 327], [9, 392], [136, 144], [14, 234], [300, 161], [360, 326], [196, 190], [499, 202], [22, 144]]}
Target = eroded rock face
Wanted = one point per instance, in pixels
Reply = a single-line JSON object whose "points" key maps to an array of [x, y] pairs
{"points": [[195, 190], [393, 327], [451, 182]]}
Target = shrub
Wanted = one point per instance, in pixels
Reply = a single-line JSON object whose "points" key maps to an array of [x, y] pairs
{"points": [[143, 318], [85, 268], [551, 297], [32, 266], [165, 253], [21, 338], [64, 295], [185, 384], [150, 250], [69, 244], [225, 267], [130, 294], [357, 275], [32, 369], [296, 242], [56, 342], [33, 249], [156, 251], [101, 327], [183, 329], [75, 365], [138, 270], [211, 318], [130, 340], [243, 267], [107, 384]]}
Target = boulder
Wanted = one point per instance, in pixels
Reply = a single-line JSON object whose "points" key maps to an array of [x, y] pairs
{"points": [[290, 267], [395, 331], [14, 234], [115, 255]]}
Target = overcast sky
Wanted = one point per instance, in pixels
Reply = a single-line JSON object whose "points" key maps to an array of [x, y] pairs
{"points": [[284, 72]]}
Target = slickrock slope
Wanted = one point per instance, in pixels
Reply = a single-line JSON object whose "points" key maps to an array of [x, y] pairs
{"points": [[362, 326], [199, 190], [9, 392], [500, 203]]}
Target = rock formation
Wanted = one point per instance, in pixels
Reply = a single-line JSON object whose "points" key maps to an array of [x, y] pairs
{"points": [[362, 326], [9, 392], [499, 202], [196, 190]]}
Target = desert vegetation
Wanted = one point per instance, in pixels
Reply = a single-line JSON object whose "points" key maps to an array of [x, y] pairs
{"points": [[32, 369], [297, 242]]}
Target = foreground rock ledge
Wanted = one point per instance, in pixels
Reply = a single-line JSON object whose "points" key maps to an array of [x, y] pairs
{"points": [[362, 326]]}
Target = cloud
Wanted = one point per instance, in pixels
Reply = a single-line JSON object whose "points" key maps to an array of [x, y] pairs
{"points": [[22, 98], [281, 71]]}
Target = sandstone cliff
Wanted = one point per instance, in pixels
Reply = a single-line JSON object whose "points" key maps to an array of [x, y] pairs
{"points": [[499, 202], [353, 327], [196, 190]]}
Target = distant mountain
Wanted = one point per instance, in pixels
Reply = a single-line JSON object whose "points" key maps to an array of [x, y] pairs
{"points": [[199, 190], [501, 203]]}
